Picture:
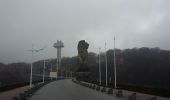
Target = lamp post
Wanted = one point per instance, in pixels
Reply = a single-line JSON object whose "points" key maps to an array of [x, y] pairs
{"points": [[44, 70], [51, 70], [99, 68], [115, 65], [106, 63], [66, 74], [32, 51]]}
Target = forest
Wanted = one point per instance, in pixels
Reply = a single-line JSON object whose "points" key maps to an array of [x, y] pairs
{"points": [[148, 67]]}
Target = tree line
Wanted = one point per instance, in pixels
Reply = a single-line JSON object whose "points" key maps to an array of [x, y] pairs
{"points": [[137, 66]]}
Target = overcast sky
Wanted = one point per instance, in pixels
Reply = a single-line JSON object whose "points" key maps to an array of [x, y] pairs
{"points": [[135, 23]]}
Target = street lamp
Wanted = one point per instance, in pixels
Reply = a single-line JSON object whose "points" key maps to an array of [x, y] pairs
{"points": [[32, 51], [99, 68], [44, 69], [106, 63], [51, 70], [115, 64]]}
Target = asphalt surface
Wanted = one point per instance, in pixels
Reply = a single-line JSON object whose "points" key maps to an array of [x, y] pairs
{"points": [[67, 90]]}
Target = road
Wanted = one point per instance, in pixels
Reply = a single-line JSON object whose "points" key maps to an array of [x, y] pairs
{"points": [[67, 90]]}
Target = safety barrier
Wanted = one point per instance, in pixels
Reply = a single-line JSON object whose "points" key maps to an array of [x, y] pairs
{"points": [[117, 92], [132, 96], [27, 94]]}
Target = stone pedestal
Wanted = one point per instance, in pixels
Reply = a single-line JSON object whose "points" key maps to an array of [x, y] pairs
{"points": [[82, 76]]}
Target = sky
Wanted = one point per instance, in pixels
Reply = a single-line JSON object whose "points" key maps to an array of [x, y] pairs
{"points": [[134, 23]]}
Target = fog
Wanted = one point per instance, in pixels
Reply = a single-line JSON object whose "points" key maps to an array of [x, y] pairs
{"points": [[134, 23]]}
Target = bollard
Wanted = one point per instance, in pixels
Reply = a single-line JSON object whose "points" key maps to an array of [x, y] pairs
{"points": [[94, 86], [103, 89], [26, 93], [152, 98], [110, 91], [15, 98], [119, 93], [22, 96], [86, 85], [132, 96], [98, 88], [29, 94], [91, 85]]}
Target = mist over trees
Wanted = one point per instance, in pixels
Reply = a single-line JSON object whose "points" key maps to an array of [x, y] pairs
{"points": [[138, 66], [144, 66]]}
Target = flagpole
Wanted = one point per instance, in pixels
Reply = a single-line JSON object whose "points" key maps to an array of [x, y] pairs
{"points": [[115, 64]]}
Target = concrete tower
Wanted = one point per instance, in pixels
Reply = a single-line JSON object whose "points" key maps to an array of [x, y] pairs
{"points": [[58, 45]]}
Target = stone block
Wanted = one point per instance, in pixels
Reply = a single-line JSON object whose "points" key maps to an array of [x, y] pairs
{"points": [[152, 98], [103, 89], [110, 91], [119, 93], [132, 96]]}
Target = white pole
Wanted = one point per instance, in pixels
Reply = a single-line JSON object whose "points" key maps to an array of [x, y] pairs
{"points": [[51, 71], [59, 63], [106, 63], [57, 69], [33, 62], [66, 73], [43, 71], [31, 67], [71, 74], [99, 69], [115, 64]]}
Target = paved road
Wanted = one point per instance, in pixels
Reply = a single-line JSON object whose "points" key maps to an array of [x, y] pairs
{"points": [[67, 90]]}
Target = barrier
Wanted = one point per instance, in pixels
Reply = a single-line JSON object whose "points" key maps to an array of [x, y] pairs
{"points": [[22, 96], [152, 98], [103, 89], [132, 96], [89, 86], [94, 86], [110, 91], [15, 98], [98, 88], [119, 93], [30, 92]]}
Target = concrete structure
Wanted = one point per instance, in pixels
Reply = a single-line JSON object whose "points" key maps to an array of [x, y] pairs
{"points": [[58, 45]]}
